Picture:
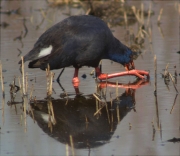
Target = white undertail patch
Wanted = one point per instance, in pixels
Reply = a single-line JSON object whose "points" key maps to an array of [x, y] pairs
{"points": [[45, 51]]}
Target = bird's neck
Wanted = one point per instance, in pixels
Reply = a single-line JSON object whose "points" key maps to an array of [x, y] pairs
{"points": [[119, 53]]}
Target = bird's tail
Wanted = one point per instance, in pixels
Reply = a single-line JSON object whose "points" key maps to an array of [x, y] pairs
{"points": [[34, 64]]}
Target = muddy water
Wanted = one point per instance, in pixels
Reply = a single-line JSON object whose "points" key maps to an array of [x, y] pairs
{"points": [[137, 125]]}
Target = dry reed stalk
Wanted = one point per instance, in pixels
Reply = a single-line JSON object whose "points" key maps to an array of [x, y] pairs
{"points": [[155, 90], [50, 123], [155, 74], [24, 113], [31, 92], [20, 86], [157, 112], [173, 104], [3, 107], [118, 116], [141, 33], [112, 122], [72, 145], [160, 130], [110, 98], [47, 79], [136, 14], [125, 19], [67, 99], [49, 76], [3, 93], [92, 72], [42, 13], [104, 97], [97, 97], [30, 99], [159, 16], [173, 83], [23, 81], [52, 112], [150, 35], [165, 71], [154, 131], [98, 110], [32, 20], [117, 93], [67, 150], [50, 83], [97, 107], [25, 108], [2, 80], [88, 11], [26, 82], [108, 114], [149, 14], [145, 32], [160, 30], [24, 95], [105, 104], [142, 13]]}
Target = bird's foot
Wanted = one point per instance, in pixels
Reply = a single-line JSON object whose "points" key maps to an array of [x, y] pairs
{"points": [[75, 81], [139, 73]]}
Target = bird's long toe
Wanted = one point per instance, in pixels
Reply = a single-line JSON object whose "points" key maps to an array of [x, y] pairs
{"points": [[140, 73]]}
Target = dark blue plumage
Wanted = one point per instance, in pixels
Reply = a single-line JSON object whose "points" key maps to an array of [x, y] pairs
{"points": [[78, 41]]}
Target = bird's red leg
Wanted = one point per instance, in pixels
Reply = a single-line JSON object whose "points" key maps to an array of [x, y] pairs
{"points": [[75, 79], [129, 71]]}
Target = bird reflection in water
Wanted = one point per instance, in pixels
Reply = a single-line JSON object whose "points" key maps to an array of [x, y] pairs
{"points": [[89, 121]]}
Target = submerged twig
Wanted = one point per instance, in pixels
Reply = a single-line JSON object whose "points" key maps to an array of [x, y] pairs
{"points": [[2, 80], [20, 39], [25, 28], [19, 52], [154, 131]]}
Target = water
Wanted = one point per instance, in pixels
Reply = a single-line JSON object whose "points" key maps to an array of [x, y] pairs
{"points": [[120, 129]]}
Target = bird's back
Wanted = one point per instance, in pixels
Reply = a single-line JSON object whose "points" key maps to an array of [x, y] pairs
{"points": [[77, 41]]}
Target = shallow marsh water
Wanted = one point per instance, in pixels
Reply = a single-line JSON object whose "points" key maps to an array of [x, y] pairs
{"points": [[132, 132]]}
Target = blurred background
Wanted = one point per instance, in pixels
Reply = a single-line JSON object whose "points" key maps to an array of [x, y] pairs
{"points": [[124, 116]]}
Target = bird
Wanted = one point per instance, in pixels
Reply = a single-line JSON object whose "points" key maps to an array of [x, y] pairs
{"points": [[81, 40]]}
